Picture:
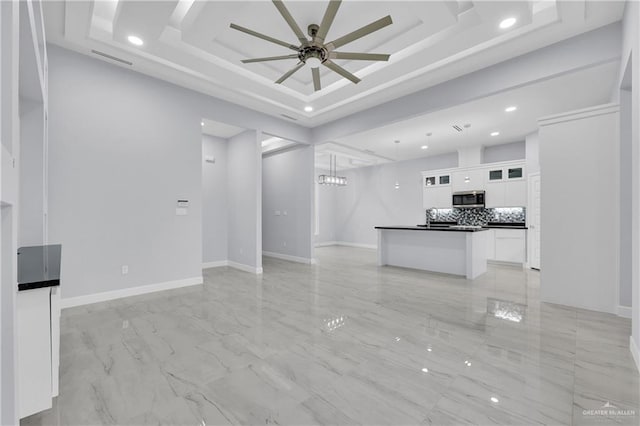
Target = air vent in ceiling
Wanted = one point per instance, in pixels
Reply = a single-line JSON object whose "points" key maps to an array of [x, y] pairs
{"points": [[456, 127], [289, 117], [113, 58]]}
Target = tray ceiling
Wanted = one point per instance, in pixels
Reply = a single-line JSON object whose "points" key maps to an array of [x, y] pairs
{"points": [[190, 43]]}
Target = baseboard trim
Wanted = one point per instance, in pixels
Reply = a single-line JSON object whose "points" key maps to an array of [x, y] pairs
{"points": [[216, 264], [635, 353], [245, 268], [127, 292], [624, 311], [357, 245], [288, 257], [505, 263], [346, 244], [326, 244]]}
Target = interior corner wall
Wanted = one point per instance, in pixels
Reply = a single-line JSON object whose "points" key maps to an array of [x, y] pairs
{"points": [[579, 261], [631, 51], [31, 230], [625, 179], [370, 198], [288, 199], [123, 148], [325, 209], [244, 176], [532, 154], [214, 199]]}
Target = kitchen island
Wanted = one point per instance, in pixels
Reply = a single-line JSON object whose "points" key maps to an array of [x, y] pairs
{"points": [[450, 250]]}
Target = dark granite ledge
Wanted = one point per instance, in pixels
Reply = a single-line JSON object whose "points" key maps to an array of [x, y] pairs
{"points": [[39, 267], [434, 228]]}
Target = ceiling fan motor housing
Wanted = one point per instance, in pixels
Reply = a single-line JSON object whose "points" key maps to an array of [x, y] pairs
{"points": [[311, 51]]}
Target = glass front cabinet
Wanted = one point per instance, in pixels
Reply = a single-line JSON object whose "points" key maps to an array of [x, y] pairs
{"points": [[436, 190], [506, 186]]}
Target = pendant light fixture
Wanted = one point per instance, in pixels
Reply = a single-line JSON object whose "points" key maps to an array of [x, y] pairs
{"points": [[332, 178], [397, 185]]}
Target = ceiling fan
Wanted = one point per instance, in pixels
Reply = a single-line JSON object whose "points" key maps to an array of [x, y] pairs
{"points": [[316, 52]]}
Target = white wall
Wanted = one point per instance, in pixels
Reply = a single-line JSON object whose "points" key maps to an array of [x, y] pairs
{"points": [[504, 152], [532, 153], [325, 209], [123, 149], [370, 198], [631, 53], [579, 161], [287, 186], [32, 168], [244, 174], [214, 200], [625, 179]]}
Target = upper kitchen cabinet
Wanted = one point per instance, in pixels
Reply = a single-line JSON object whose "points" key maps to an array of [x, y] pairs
{"points": [[436, 190], [468, 180], [505, 185]]}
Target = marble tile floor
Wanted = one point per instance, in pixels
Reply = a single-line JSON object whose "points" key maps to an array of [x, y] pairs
{"points": [[344, 342]]}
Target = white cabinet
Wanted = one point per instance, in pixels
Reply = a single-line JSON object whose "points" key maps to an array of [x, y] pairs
{"points": [[437, 197], [468, 180], [436, 190], [510, 245], [491, 244], [505, 186], [34, 350], [495, 194], [515, 193]]}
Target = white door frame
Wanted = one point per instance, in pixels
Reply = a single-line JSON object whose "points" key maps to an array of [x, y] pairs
{"points": [[531, 230]]}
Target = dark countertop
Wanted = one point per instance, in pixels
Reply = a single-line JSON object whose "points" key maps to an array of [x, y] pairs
{"points": [[506, 226], [434, 228], [39, 266]]}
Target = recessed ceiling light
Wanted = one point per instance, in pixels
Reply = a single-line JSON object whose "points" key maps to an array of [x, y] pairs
{"points": [[202, 123], [508, 23], [495, 133], [308, 108], [494, 400], [135, 40], [511, 108], [424, 147]]}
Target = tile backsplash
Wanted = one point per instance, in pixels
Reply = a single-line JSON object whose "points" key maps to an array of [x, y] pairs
{"points": [[479, 216]]}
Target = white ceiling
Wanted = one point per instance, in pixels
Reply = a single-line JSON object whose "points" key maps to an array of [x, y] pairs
{"points": [[572, 91], [190, 43]]}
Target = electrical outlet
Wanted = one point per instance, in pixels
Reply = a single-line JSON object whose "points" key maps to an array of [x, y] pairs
{"points": [[125, 269]]}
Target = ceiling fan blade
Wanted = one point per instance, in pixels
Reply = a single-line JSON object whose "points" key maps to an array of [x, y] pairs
{"points": [[316, 79], [290, 73], [264, 37], [359, 33], [292, 23], [327, 20], [359, 56], [338, 69], [271, 58]]}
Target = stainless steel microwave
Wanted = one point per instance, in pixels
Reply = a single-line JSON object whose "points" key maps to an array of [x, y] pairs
{"points": [[468, 199]]}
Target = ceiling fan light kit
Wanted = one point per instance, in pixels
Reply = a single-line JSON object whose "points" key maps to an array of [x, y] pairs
{"points": [[314, 52]]}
